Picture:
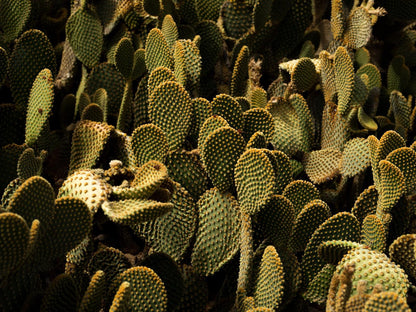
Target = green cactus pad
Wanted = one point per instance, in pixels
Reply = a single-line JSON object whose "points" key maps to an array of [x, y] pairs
{"points": [[210, 125], [61, 295], [228, 108], [39, 106], [149, 143], [355, 157], [29, 165], [254, 180], [282, 169], [91, 301], [342, 226], [88, 186], [304, 75], [217, 227], [186, 169], [308, 219], [124, 57], [338, 19], [211, 43], [404, 158], [157, 51], [300, 193], [220, 153], [398, 74], [158, 76], [240, 73], [147, 290], [9, 157], [195, 296], [133, 211], [318, 289], [14, 16], [258, 97], [88, 142], [322, 165], [121, 301], [327, 75], [32, 53], [170, 108], [169, 30], [344, 78], [93, 112], [359, 26], [402, 252], [365, 204], [34, 199], [258, 119], [14, 239], [373, 233], [257, 140], [270, 280], [276, 220], [375, 268], [332, 251], [386, 301], [187, 64], [85, 35]]}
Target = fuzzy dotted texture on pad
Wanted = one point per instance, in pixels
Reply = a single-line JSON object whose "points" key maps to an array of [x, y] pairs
{"points": [[91, 301], [365, 204], [32, 53], [217, 239], [157, 51], [359, 26], [373, 233], [375, 268], [34, 199], [158, 76], [121, 301], [322, 165], [149, 142], [240, 73], [14, 239], [210, 125], [88, 186], [148, 294], [39, 106], [254, 180], [228, 108], [386, 301], [318, 289], [304, 74], [342, 226], [170, 108], [258, 119], [61, 295], [300, 192], [270, 280], [14, 16], [402, 252], [220, 153], [124, 56], [133, 211], [88, 142], [333, 251], [85, 35], [355, 157], [404, 158], [344, 78]]}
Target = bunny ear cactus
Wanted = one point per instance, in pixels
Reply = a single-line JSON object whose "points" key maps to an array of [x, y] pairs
{"points": [[14, 17], [386, 301], [91, 300], [157, 51], [158, 76], [402, 252], [62, 294], [373, 233], [121, 301]]}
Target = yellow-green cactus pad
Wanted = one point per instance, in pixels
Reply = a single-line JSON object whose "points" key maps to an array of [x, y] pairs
{"points": [[32, 53], [30, 165], [343, 226], [201, 111], [208, 10], [34, 199], [172, 232], [373, 74], [139, 64], [88, 142], [318, 289], [322, 165], [304, 75], [219, 225], [375, 268], [61, 295], [402, 252], [220, 153], [258, 119], [186, 169], [14, 16], [9, 157], [270, 280], [373, 233], [157, 51], [257, 140], [365, 204], [254, 179], [93, 112], [106, 76], [148, 293], [398, 74], [228, 108], [187, 64], [170, 108], [167, 269], [236, 18], [276, 220], [91, 301], [121, 301], [359, 26], [124, 57], [14, 239], [133, 211], [344, 78], [210, 125], [158, 76], [402, 110], [355, 157], [195, 296], [88, 186], [392, 187], [386, 301], [211, 43], [338, 19], [39, 106], [258, 97], [300, 192], [240, 73], [85, 35], [308, 219], [282, 169], [332, 251], [335, 132], [147, 179], [149, 142], [404, 158], [169, 30], [327, 75]]}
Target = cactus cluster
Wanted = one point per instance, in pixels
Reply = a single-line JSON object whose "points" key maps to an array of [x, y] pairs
{"points": [[207, 155]]}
